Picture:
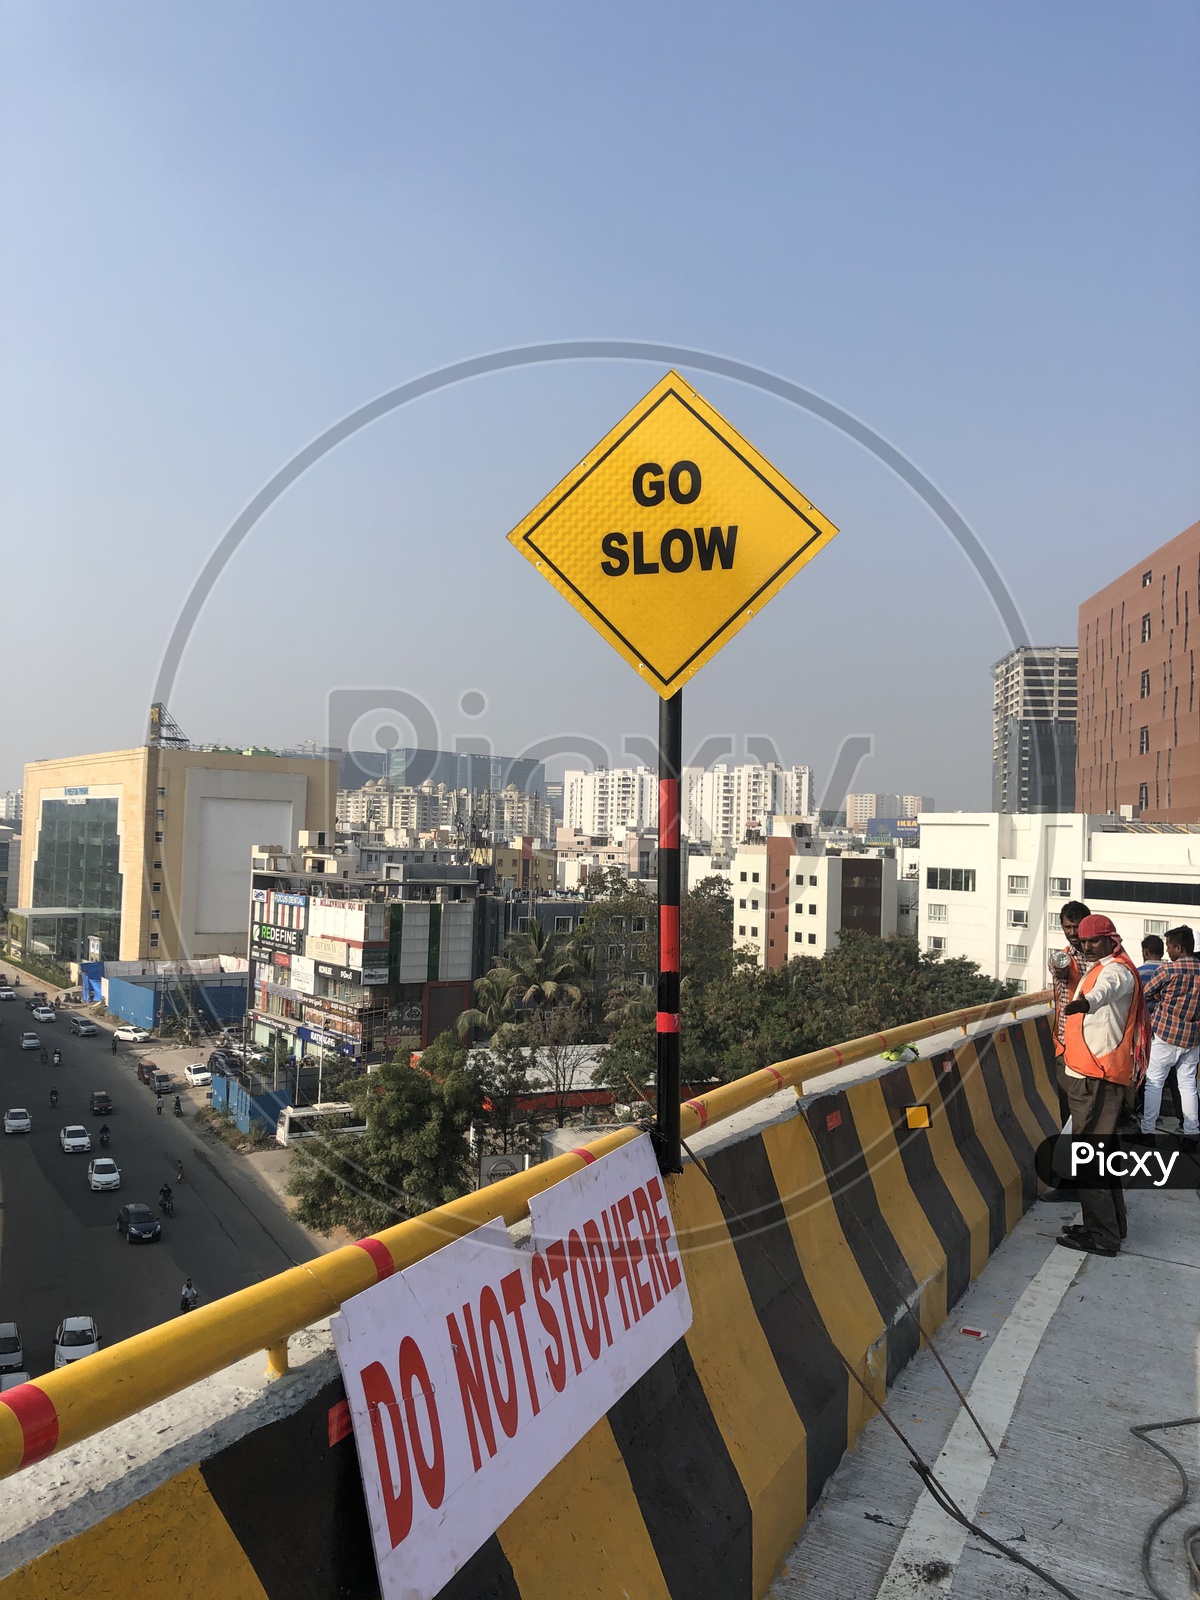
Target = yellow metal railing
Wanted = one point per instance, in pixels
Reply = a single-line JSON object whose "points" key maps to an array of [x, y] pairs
{"points": [[62, 1407]]}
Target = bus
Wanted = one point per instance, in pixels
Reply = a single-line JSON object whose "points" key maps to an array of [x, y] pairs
{"points": [[309, 1122]]}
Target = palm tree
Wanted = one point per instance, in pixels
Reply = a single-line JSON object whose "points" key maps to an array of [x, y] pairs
{"points": [[495, 1000], [542, 972]]}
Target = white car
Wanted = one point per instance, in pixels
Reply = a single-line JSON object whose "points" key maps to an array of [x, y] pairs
{"points": [[18, 1120], [197, 1076], [74, 1338], [74, 1139], [44, 1014], [7, 994], [131, 1035], [10, 1380], [103, 1173], [30, 1041]]}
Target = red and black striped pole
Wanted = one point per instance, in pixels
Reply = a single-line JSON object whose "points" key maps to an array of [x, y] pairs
{"points": [[670, 764]]}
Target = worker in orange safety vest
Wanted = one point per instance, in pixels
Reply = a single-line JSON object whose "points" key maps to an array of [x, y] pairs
{"points": [[1106, 1048]]}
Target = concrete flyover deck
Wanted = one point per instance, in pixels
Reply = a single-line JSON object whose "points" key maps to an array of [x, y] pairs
{"points": [[1108, 1344]]}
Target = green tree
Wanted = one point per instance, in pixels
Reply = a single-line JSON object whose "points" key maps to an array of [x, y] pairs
{"points": [[414, 1154], [504, 1082], [753, 1018], [496, 997], [706, 932], [543, 970]]}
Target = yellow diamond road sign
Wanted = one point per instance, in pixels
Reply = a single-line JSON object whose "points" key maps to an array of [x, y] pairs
{"points": [[672, 534]]}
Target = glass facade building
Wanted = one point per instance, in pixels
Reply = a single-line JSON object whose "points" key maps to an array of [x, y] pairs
{"points": [[78, 861]]}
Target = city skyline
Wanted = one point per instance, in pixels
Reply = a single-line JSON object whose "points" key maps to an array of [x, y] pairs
{"points": [[151, 396]]}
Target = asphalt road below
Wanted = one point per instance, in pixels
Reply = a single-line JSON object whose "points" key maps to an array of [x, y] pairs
{"points": [[60, 1252]]}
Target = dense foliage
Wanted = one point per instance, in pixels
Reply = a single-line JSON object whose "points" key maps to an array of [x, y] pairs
{"points": [[414, 1154]]}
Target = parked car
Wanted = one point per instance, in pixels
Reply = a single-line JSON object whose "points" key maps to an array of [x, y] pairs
{"points": [[74, 1338], [12, 1354], [103, 1173], [197, 1075], [45, 1014], [101, 1104], [223, 1061], [30, 1041], [84, 1028], [74, 1139], [162, 1083], [146, 1071], [10, 1380], [128, 1034], [18, 1120], [7, 994], [139, 1224]]}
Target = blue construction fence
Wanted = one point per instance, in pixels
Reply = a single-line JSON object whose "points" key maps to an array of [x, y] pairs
{"points": [[216, 1000], [233, 1098]]}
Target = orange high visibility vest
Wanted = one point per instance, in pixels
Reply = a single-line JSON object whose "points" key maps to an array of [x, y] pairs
{"points": [[1117, 1065]]}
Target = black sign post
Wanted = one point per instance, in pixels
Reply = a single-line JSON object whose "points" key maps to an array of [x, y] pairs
{"points": [[670, 765]]}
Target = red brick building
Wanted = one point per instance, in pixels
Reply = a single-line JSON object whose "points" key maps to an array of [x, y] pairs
{"points": [[1139, 710]]}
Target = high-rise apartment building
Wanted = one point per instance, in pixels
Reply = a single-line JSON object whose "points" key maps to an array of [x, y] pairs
{"points": [[11, 802], [724, 804], [862, 809], [1139, 710], [1033, 729], [600, 802]]}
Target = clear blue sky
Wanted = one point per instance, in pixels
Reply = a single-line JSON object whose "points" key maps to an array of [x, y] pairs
{"points": [[227, 225]]}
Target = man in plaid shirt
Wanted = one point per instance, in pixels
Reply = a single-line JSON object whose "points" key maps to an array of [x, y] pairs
{"points": [[1173, 996]]}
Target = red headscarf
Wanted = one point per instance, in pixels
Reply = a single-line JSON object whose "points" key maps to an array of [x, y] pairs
{"points": [[1101, 927]]}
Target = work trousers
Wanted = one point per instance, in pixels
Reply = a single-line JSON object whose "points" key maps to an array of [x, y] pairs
{"points": [[1096, 1106], [1181, 1060]]}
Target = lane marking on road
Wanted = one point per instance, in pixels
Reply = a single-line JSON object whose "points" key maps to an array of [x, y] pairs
{"points": [[933, 1542]]}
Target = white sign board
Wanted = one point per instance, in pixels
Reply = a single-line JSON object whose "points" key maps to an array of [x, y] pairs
{"points": [[472, 1373]]}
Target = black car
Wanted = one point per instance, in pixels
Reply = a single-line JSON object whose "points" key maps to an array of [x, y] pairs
{"points": [[101, 1103], [224, 1062], [139, 1224]]}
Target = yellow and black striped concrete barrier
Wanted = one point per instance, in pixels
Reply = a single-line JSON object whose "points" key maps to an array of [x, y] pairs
{"points": [[839, 1229]]}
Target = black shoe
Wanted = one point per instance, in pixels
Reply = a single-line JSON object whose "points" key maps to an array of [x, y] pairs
{"points": [[1082, 1240], [1080, 1232]]}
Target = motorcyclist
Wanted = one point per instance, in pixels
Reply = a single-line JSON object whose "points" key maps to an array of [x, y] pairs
{"points": [[178, 1106], [58, 1058], [188, 1296], [114, 1044], [54, 1097], [45, 1058], [165, 1198]]}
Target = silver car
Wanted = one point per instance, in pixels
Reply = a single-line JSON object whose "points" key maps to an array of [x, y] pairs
{"points": [[18, 1120]]}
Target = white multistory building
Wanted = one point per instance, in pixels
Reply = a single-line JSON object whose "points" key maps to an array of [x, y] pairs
{"points": [[720, 805], [993, 884], [610, 798], [723, 804], [510, 813]]}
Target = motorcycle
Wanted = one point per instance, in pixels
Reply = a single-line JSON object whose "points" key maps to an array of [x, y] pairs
{"points": [[58, 1058], [104, 1136], [53, 1098], [166, 1205], [178, 1107]]}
